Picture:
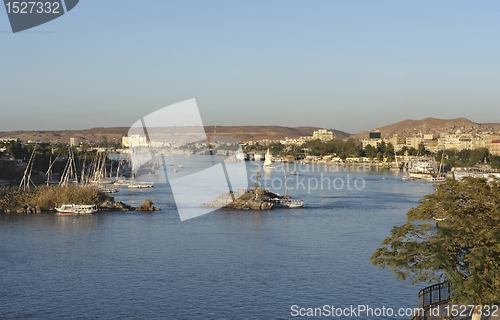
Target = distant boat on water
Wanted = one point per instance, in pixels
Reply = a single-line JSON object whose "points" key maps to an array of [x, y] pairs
{"points": [[140, 185]]}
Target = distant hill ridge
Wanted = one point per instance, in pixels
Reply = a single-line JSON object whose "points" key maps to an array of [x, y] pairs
{"points": [[243, 133], [246, 133], [435, 126]]}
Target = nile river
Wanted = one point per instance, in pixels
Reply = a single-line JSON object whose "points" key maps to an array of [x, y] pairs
{"points": [[222, 265]]}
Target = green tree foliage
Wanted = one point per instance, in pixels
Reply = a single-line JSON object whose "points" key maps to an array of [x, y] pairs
{"points": [[15, 149], [464, 251], [47, 197], [371, 151], [421, 149], [389, 152], [382, 147], [402, 151], [467, 158], [348, 148]]}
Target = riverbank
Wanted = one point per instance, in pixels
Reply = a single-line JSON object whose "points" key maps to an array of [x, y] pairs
{"points": [[41, 199]]}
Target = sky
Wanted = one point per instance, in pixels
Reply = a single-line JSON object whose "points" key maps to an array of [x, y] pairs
{"points": [[348, 65]]}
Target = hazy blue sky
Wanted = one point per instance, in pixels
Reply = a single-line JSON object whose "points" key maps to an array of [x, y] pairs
{"points": [[347, 64]]}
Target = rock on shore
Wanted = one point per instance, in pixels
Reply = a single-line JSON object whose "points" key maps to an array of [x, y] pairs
{"points": [[112, 205], [28, 210], [255, 198]]}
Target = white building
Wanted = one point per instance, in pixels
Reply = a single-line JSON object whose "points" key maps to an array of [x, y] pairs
{"points": [[323, 135], [134, 141]]}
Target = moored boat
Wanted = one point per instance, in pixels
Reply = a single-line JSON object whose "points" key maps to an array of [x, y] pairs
{"points": [[122, 182], [76, 209], [138, 185], [109, 190], [436, 179], [293, 203]]}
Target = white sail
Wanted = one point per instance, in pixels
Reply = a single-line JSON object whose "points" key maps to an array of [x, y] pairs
{"points": [[268, 162]]}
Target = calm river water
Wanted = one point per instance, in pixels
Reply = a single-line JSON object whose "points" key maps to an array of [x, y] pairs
{"points": [[223, 265]]}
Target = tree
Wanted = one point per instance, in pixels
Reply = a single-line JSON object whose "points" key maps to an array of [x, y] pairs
{"points": [[382, 147], [15, 149], [464, 251], [389, 152], [421, 149], [370, 151], [402, 151]]}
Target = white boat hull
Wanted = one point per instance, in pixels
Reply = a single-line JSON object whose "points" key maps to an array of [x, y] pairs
{"points": [[68, 209]]}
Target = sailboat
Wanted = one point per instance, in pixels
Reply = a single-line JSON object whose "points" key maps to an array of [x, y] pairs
{"points": [[439, 177], [26, 181], [397, 165], [267, 161], [48, 174]]}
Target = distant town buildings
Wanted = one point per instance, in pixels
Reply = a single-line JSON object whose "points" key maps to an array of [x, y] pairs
{"points": [[134, 141], [495, 147], [8, 139], [375, 135], [74, 142], [295, 142], [323, 135], [445, 141]]}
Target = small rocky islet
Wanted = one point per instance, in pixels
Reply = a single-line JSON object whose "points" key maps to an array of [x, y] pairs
{"points": [[255, 198]]}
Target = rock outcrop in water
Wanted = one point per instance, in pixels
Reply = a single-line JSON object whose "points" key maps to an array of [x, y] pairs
{"points": [[256, 198]]}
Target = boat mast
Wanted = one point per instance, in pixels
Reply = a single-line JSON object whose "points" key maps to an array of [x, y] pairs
{"points": [[25, 182], [286, 185]]}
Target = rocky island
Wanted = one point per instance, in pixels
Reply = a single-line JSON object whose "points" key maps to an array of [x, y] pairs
{"points": [[256, 198]]}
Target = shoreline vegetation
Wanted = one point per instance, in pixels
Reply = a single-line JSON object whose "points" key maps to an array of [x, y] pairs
{"points": [[40, 199]]}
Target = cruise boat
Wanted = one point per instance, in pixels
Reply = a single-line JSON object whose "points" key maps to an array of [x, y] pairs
{"points": [[76, 209], [422, 168]]}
